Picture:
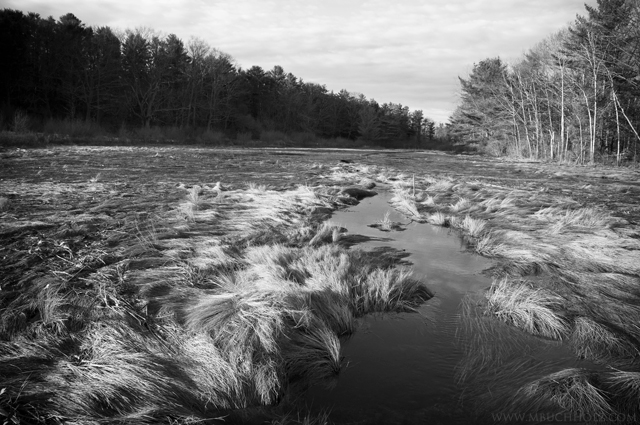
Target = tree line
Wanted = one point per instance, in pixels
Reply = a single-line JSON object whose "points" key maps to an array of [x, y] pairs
{"points": [[573, 97], [63, 69]]}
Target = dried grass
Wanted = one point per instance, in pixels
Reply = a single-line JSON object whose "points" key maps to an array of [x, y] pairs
{"points": [[405, 203], [532, 309], [569, 389], [596, 341], [438, 219], [625, 386], [474, 227]]}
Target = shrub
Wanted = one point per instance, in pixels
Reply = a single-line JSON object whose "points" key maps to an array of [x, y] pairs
{"points": [[243, 138], [305, 138], [212, 137], [73, 128], [274, 137], [21, 122], [174, 133], [151, 134], [246, 123]]}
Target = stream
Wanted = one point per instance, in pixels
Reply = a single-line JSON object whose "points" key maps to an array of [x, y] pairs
{"points": [[406, 368]]}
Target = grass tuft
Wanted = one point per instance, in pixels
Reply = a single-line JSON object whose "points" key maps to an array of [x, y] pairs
{"points": [[596, 341], [569, 389], [462, 204], [385, 223], [625, 385], [474, 227], [389, 290], [438, 219], [405, 203], [327, 232], [531, 309]]}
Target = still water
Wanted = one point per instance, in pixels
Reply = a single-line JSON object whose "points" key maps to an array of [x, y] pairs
{"points": [[407, 368]]}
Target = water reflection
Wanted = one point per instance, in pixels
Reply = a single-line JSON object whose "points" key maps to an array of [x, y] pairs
{"points": [[448, 364]]}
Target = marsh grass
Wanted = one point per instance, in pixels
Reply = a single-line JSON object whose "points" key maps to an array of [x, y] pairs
{"points": [[570, 389], [474, 227], [566, 252], [255, 187], [442, 185], [312, 353], [492, 350], [462, 204], [187, 212], [327, 232], [306, 419], [226, 312], [597, 341], [429, 201], [438, 219], [389, 290], [386, 224], [561, 219], [625, 385], [404, 201], [194, 195], [533, 309]]}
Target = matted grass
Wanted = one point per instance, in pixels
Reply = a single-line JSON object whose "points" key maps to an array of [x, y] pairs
{"points": [[225, 301], [570, 389], [598, 341], [122, 252], [533, 233], [524, 306]]}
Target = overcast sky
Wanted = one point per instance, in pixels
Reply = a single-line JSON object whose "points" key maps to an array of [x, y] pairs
{"points": [[401, 51]]}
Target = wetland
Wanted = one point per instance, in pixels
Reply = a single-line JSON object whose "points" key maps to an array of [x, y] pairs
{"points": [[147, 284]]}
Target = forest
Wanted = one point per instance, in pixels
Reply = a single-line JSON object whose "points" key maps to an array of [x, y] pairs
{"points": [[62, 74], [573, 97]]}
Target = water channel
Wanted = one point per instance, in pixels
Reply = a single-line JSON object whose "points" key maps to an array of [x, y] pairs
{"points": [[406, 368]]}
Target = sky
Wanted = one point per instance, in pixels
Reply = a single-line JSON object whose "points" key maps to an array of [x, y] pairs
{"points": [[402, 51]]}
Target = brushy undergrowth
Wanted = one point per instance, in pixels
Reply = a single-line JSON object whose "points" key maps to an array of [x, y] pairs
{"points": [[226, 303]]}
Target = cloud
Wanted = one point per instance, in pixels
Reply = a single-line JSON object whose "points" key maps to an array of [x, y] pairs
{"points": [[405, 51]]}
